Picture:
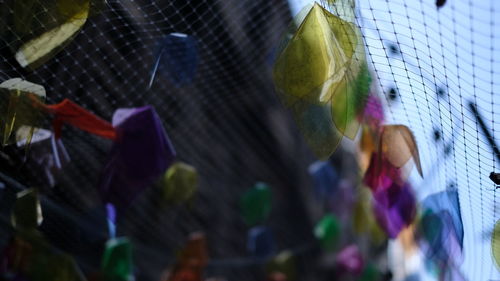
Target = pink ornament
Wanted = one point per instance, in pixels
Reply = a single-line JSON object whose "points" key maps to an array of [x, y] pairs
{"points": [[350, 260]]}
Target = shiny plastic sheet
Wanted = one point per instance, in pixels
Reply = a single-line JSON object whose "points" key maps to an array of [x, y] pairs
{"points": [[43, 28], [322, 77]]}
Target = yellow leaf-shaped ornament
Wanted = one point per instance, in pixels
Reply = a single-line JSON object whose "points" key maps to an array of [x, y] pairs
{"points": [[37, 51], [36, 30], [18, 107], [315, 74]]}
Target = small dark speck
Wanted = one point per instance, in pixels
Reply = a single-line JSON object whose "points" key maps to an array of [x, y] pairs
{"points": [[393, 49], [447, 149], [452, 185], [440, 3], [495, 177], [437, 135], [393, 95], [440, 92]]}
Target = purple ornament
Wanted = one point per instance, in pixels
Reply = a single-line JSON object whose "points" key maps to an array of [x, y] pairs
{"points": [[394, 208], [141, 153], [374, 112]]}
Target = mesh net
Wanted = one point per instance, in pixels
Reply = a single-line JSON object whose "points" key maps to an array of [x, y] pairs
{"points": [[429, 65], [441, 62]]}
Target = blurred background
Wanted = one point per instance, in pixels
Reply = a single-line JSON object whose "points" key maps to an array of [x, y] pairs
{"points": [[427, 64]]}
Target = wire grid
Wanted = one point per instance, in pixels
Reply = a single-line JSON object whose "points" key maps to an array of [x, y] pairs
{"points": [[227, 123], [438, 61]]}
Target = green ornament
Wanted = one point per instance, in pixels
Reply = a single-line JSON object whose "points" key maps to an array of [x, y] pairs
{"points": [[54, 267], [327, 231], [179, 183], [370, 273], [117, 260], [256, 204]]}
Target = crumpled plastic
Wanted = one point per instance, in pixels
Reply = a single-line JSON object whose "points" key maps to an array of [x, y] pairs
{"points": [[141, 153], [19, 101], [322, 77]]}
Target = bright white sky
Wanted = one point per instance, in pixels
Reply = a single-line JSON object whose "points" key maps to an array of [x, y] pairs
{"points": [[454, 47]]}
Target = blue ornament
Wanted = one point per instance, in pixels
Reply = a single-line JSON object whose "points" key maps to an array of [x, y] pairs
{"points": [[447, 202], [178, 57], [261, 242], [325, 179], [441, 227], [111, 215]]}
